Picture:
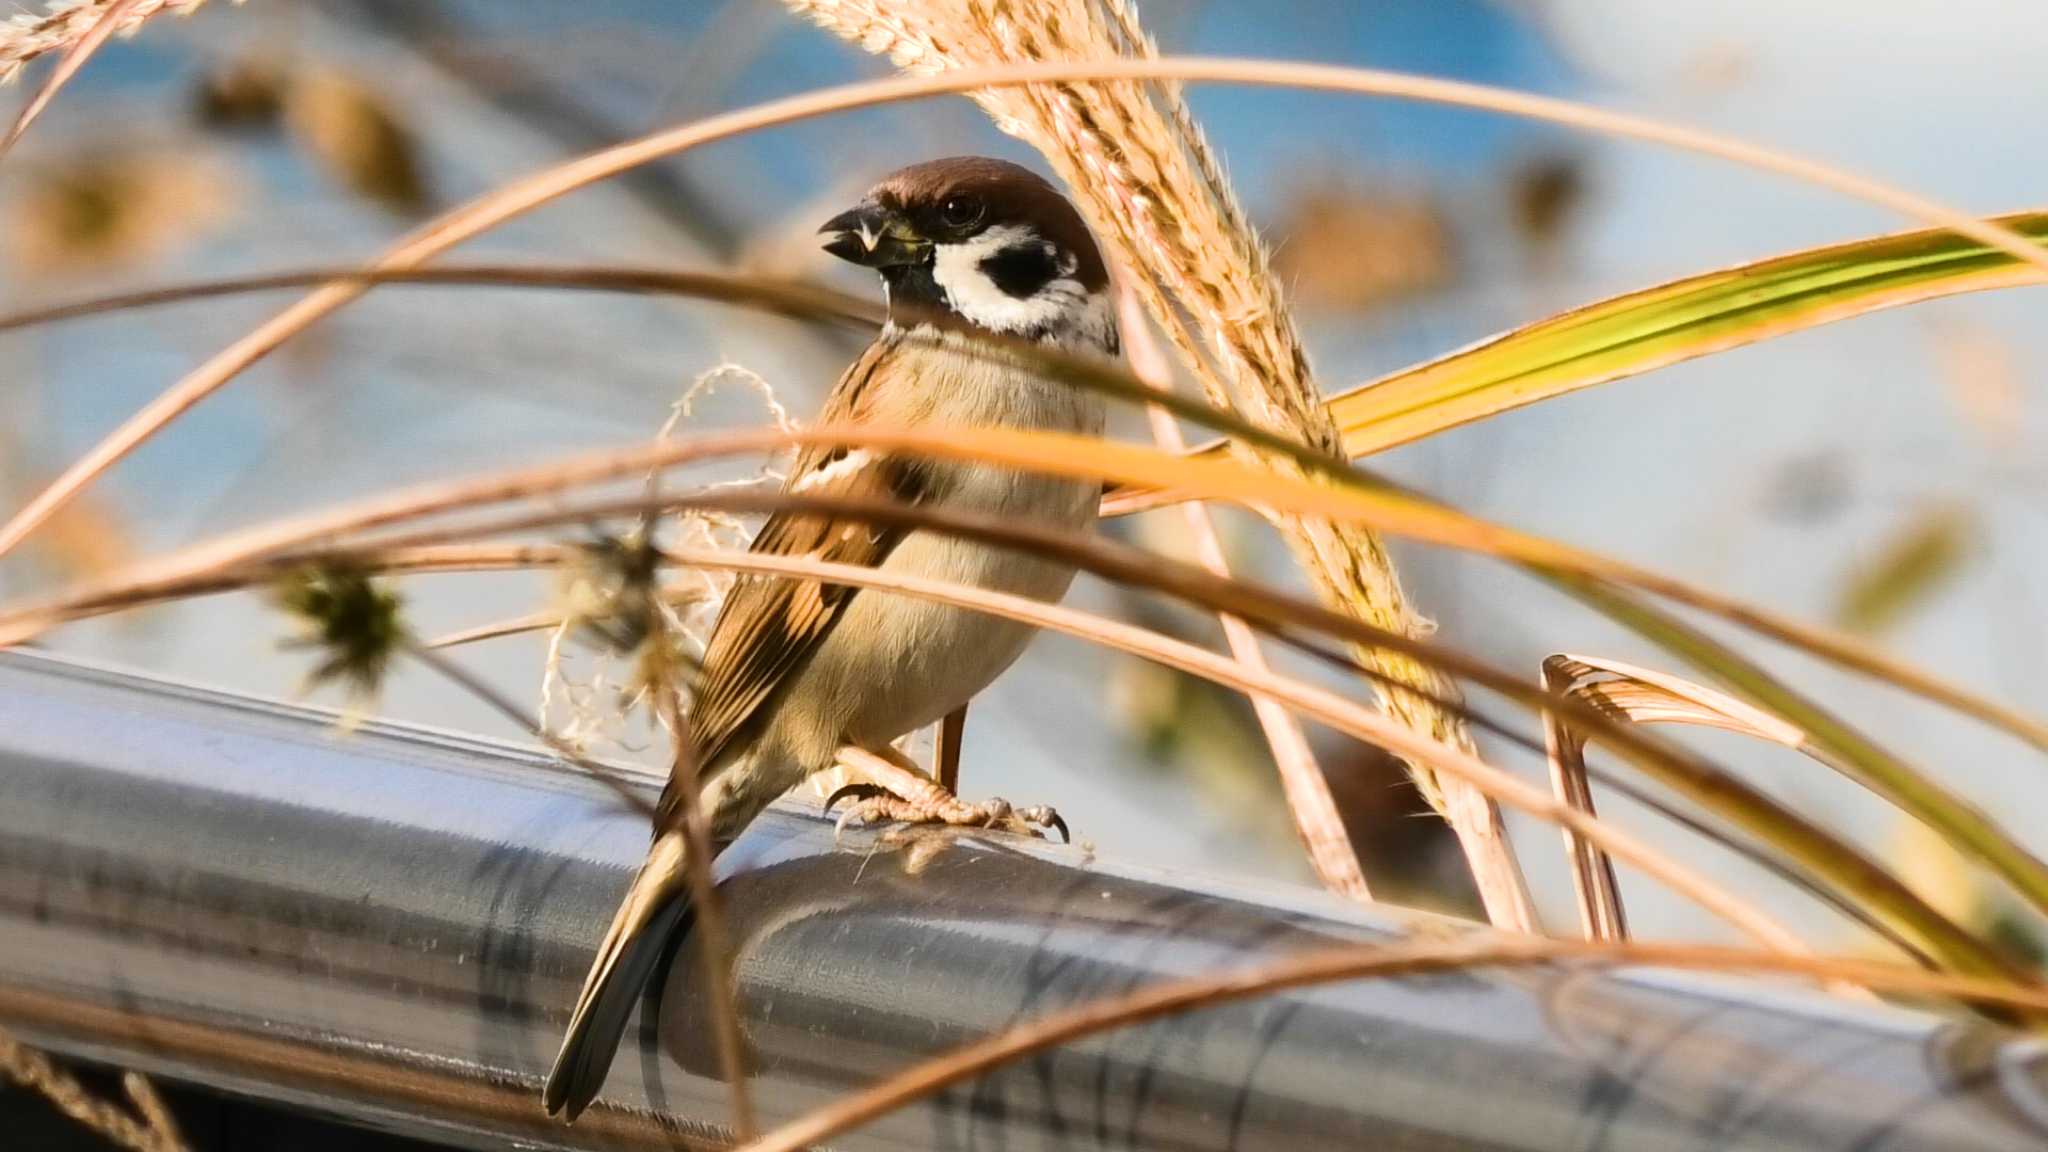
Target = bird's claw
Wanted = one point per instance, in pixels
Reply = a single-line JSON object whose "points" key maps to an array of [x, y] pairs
{"points": [[874, 804]]}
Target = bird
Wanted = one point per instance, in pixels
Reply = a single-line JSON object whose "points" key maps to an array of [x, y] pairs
{"points": [[795, 673]]}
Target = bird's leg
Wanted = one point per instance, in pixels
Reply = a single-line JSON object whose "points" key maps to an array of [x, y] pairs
{"points": [[893, 789], [946, 749]]}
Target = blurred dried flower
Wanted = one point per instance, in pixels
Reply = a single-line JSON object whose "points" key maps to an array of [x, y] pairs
{"points": [[610, 595], [1347, 249], [358, 139], [112, 207], [354, 622], [241, 94]]}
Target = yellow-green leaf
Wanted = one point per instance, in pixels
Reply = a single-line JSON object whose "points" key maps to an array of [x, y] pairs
{"points": [[1632, 334]]}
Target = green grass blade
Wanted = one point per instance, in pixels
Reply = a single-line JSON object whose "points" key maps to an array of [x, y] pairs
{"points": [[1700, 315]]}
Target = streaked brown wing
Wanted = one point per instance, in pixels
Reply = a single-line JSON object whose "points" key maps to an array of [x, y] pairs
{"points": [[769, 626]]}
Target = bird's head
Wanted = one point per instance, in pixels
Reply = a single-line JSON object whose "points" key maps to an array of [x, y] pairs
{"points": [[982, 243]]}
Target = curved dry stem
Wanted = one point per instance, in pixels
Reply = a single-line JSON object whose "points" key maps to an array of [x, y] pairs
{"points": [[1892, 908], [792, 298], [810, 303], [523, 195], [1029, 451], [1410, 957], [1323, 706]]}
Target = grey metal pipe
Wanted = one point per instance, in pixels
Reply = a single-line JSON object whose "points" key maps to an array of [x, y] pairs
{"points": [[391, 925]]}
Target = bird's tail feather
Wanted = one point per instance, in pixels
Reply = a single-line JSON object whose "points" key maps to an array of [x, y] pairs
{"points": [[654, 905]]}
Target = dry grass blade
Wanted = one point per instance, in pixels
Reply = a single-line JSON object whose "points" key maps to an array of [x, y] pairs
{"points": [[1846, 749], [1405, 958], [74, 58], [1142, 173], [780, 297], [1829, 739], [1817, 850], [1316, 816], [150, 1129], [714, 944], [1322, 705], [1601, 915], [1384, 509], [1830, 868], [543, 187], [1640, 696], [522, 196], [1319, 704], [809, 303]]}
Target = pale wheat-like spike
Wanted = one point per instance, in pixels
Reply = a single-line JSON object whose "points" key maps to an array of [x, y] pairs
{"points": [[876, 32], [63, 23]]}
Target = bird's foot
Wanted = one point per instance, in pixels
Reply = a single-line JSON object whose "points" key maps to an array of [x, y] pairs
{"points": [[875, 805], [893, 793]]}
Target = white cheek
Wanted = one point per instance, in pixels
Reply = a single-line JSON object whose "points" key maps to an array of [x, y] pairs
{"points": [[957, 269]]}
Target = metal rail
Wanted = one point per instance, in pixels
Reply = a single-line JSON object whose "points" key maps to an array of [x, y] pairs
{"points": [[389, 926]]}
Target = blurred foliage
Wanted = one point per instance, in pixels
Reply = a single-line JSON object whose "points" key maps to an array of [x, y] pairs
{"points": [[1547, 196], [1949, 882], [109, 205], [358, 138], [245, 93], [1920, 558]]}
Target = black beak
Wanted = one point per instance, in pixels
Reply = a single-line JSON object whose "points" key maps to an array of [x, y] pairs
{"points": [[874, 237]]}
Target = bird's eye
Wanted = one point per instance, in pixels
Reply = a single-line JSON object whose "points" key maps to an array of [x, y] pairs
{"points": [[961, 212]]}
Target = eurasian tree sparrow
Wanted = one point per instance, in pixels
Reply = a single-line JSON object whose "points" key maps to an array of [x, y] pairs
{"points": [[796, 670]]}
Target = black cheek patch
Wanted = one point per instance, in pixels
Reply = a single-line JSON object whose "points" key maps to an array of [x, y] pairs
{"points": [[1022, 269]]}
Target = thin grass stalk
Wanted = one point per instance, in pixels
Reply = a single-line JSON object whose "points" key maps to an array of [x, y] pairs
{"points": [[713, 941], [791, 298], [149, 1129], [428, 656], [1827, 856], [1323, 706], [1317, 819], [522, 196], [1363, 961], [1077, 457], [416, 554], [1143, 176], [1896, 906], [1762, 857], [804, 302]]}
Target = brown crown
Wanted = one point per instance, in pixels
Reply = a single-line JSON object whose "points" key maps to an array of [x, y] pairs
{"points": [[1014, 195]]}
